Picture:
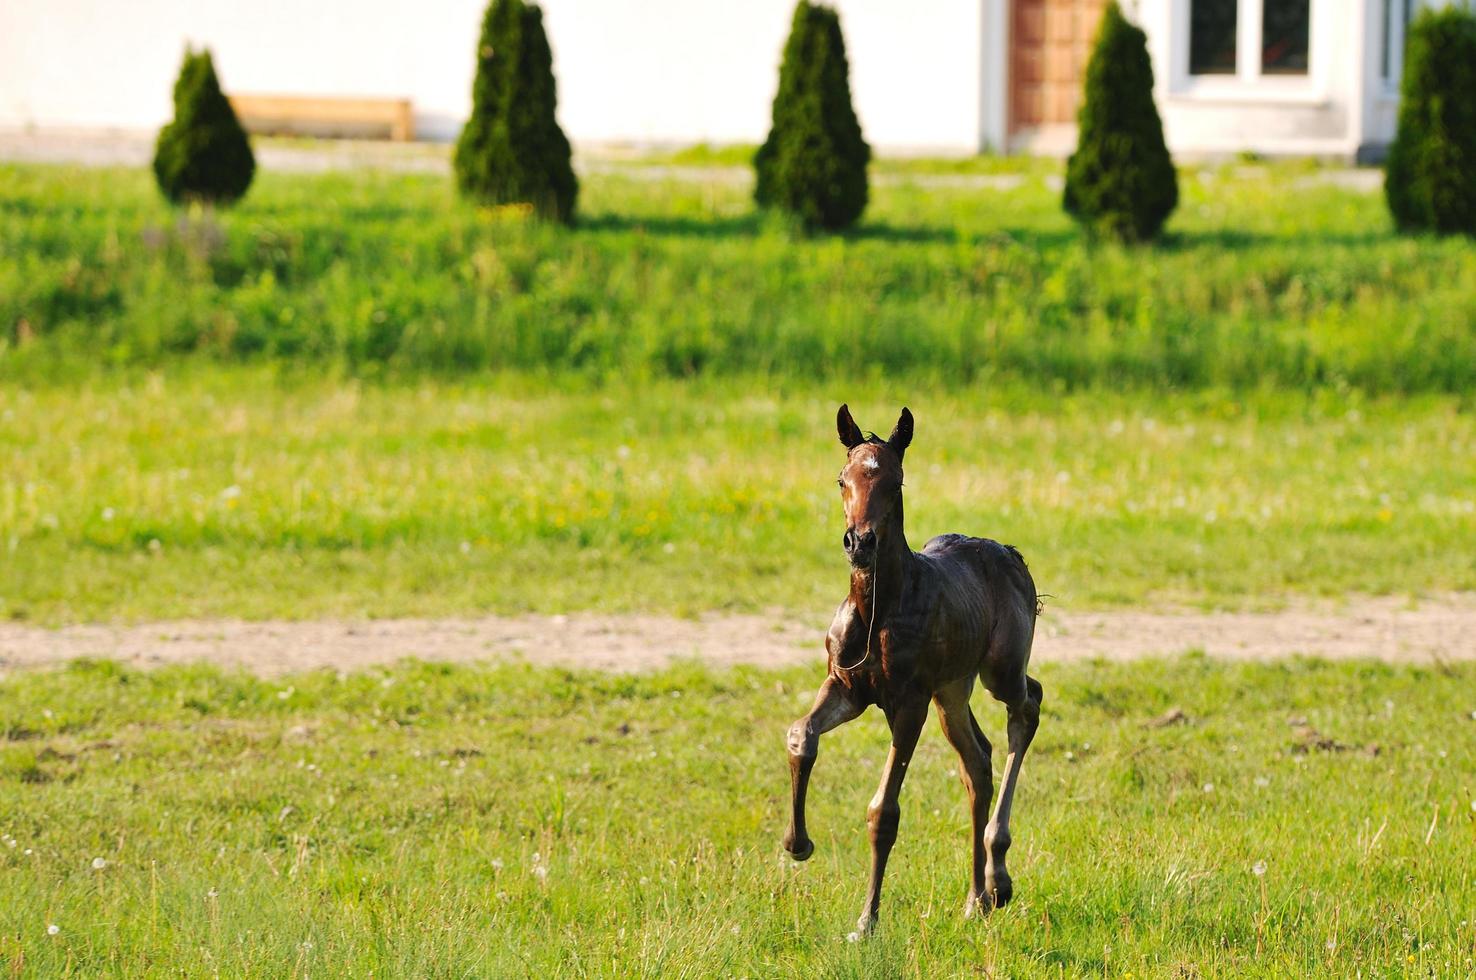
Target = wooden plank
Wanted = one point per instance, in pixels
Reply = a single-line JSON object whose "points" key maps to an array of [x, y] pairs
{"points": [[293, 113]]}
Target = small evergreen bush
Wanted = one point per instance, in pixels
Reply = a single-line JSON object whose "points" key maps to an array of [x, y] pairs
{"points": [[1120, 182], [1430, 178], [203, 154], [511, 150], [813, 165]]}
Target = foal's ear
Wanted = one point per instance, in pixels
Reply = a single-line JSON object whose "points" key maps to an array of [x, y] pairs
{"points": [[846, 427], [901, 436]]}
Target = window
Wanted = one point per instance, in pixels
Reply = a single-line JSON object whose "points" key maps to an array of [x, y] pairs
{"points": [[1396, 15], [1254, 42], [1284, 35], [1212, 37]]}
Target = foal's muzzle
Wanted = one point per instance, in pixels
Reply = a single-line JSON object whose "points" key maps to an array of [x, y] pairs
{"points": [[860, 547]]}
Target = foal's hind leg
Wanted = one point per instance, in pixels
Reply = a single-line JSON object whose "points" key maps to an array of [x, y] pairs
{"points": [[974, 767], [1024, 718]]}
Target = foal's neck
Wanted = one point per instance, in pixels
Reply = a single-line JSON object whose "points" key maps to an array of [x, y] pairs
{"points": [[879, 587]]}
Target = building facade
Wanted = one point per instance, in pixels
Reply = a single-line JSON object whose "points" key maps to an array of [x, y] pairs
{"points": [[1298, 77]]}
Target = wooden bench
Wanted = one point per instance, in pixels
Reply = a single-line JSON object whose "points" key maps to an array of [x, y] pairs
{"points": [[325, 116]]}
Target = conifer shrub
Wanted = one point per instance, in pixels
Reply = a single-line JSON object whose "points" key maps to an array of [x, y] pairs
{"points": [[203, 155], [1120, 182], [511, 150], [1430, 176], [813, 164]]}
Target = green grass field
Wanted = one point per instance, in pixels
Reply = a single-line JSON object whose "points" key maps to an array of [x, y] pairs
{"points": [[237, 492], [1269, 277], [438, 821], [357, 397]]}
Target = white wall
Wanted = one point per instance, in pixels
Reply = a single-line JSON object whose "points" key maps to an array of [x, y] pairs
{"points": [[629, 70]]}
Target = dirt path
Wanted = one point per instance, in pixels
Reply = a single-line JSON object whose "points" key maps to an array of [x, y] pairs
{"points": [[1388, 629]]}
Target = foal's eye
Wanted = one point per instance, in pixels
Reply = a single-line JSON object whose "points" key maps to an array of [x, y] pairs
{"points": [[840, 483]]}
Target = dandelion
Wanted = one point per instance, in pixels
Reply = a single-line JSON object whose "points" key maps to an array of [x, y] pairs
{"points": [[1209, 787], [107, 514], [1262, 782], [497, 864], [466, 547], [1258, 869], [99, 863], [669, 548], [735, 930], [212, 894], [852, 937], [52, 929], [231, 492]]}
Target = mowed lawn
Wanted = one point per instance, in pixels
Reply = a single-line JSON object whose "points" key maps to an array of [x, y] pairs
{"points": [[1303, 819], [237, 492]]}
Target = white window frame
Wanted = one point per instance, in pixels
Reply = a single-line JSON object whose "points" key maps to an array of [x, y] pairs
{"points": [[1248, 84]]}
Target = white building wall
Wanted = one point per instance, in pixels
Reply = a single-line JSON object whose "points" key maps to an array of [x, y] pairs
{"points": [[642, 71]]}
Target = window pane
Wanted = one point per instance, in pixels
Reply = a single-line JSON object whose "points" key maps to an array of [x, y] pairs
{"points": [[1284, 37], [1212, 37], [1396, 20]]}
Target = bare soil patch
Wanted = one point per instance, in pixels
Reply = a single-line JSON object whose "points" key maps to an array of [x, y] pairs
{"points": [[1432, 631]]}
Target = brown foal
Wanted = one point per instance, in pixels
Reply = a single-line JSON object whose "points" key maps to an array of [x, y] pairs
{"points": [[920, 627]]}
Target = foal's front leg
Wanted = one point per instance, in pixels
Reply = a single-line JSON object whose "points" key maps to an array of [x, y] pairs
{"points": [[884, 813], [834, 705]]}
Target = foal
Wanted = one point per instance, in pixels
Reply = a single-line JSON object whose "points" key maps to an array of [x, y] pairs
{"points": [[920, 626]]}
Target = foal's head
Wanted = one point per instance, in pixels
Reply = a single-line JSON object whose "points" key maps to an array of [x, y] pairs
{"points": [[871, 486]]}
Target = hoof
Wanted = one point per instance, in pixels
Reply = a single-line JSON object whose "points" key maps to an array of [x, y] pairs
{"points": [[800, 850], [864, 927], [1001, 889]]}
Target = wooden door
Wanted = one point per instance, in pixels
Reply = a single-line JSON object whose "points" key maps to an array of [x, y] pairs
{"points": [[1049, 44]]}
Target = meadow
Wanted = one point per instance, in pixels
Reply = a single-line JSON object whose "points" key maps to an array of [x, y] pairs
{"points": [[1304, 819], [355, 396], [240, 492], [1271, 276]]}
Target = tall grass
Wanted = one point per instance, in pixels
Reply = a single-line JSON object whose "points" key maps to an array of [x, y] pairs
{"points": [[1269, 278]]}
